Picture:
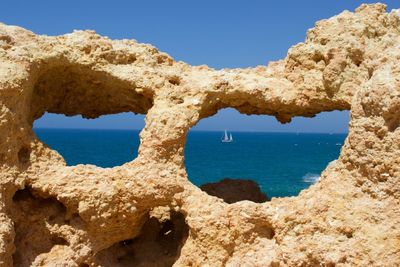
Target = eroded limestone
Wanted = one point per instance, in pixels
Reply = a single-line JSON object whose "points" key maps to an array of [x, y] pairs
{"points": [[349, 218]]}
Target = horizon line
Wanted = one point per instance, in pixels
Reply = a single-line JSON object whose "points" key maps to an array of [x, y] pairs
{"points": [[194, 130]]}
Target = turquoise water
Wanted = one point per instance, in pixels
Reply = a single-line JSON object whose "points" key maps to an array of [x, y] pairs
{"points": [[281, 163]]}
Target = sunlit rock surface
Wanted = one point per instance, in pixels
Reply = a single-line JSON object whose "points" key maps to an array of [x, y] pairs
{"points": [[52, 214]]}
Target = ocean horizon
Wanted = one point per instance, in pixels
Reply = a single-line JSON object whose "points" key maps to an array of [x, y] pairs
{"points": [[192, 130], [282, 163]]}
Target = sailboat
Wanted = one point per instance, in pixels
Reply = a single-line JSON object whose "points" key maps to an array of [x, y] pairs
{"points": [[227, 139]]}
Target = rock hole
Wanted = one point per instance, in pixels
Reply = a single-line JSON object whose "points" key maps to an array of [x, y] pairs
{"points": [[66, 95], [317, 57], [33, 217], [119, 58], [55, 240], [265, 159], [393, 122], [108, 141], [349, 235], [162, 59], [175, 80], [24, 155], [393, 125], [22, 195], [271, 233], [158, 244], [177, 100]]}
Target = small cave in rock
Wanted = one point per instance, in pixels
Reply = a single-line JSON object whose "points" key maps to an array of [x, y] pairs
{"points": [[158, 244], [107, 141], [33, 217], [254, 157]]}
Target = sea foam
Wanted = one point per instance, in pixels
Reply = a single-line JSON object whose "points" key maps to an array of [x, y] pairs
{"points": [[310, 178]]}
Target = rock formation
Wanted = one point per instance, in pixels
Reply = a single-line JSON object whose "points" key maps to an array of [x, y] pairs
{"points": [[235, 190], [57, 215]]}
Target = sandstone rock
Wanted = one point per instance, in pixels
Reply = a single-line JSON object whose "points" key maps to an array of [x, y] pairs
{"points": [[76, 215], [235, 190]]}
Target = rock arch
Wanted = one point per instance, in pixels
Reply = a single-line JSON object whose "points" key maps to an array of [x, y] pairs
{"points": [[346, 62]]}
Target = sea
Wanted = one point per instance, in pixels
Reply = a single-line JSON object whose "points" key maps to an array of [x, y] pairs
{"points": [[282, 164]]}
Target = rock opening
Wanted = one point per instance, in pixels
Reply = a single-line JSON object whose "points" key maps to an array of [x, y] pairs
{"points": [[33, 218], [90, 143], [256, 161], [158, 244]]}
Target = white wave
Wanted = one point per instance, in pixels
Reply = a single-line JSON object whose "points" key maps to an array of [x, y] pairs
{"points": [[311, 178]]}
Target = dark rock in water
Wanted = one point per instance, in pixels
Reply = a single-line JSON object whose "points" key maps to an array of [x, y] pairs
{"points": [[234, 190]]}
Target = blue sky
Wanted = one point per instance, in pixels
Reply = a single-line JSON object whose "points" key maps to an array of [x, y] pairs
{"points": [[217, 33]]}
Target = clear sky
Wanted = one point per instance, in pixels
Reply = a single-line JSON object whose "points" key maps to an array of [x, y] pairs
{"points": [[223, 33]]}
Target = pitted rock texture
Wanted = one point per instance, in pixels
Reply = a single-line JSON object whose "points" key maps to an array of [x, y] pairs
{"points": [[57, 215]]}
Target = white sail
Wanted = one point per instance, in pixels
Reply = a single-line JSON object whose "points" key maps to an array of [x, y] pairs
{"points": [[227, 138]]}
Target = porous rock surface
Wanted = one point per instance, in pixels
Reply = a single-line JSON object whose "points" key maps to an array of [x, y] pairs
{"points": [[146, 212]]}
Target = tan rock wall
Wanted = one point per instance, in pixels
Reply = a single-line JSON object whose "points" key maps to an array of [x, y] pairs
{"points": [[57, 215]]}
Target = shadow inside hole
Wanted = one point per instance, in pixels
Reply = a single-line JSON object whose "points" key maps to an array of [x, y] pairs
{"points": [[33, 216], [393, 121], [159, 244], [73, 89], [24, 155]]}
